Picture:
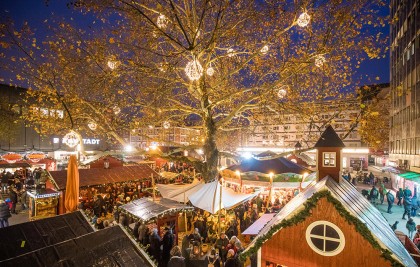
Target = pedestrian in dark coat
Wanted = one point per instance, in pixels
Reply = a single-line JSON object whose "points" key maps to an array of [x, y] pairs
{"points": [[221, 245], [230, 260], [407, 207], [390, 199], [411, 227], [4, 214], [400, 195], [155, 242], [176, 259], [14, 199], [167, 244]]}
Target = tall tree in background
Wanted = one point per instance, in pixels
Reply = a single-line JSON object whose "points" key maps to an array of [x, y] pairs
{"points": [[198, 63]]}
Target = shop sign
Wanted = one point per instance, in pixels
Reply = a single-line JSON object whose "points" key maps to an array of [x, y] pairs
{"points": [[12, 157], [86, 141]]}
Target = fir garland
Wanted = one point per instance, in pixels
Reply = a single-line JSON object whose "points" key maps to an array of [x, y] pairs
{"points": [[306, 212]]}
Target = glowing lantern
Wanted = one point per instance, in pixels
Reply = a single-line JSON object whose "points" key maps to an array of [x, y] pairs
{"points": [[116, 110]]}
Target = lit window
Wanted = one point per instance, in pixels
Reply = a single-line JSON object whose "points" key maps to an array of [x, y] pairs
{"points": [[325, 238], [328, 159]]}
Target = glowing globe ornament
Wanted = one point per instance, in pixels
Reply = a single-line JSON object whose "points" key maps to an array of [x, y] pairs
{"points": [[303, 19], [194, 70], [264, 49], [210, 71], [92, 125], [71, 139], [162, 21], [320, 60], [116, 110], [230, 52], [112, 64], [166, 124]]}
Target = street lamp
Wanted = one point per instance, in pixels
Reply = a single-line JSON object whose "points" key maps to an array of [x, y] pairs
{"points": [[271, 188]]}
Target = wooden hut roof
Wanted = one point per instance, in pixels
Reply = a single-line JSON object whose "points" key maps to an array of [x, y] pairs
{"points": [[108, 247], [329, 138], [347, 197], [97, 176], [30, 236], [145, 209], [276, 166]]}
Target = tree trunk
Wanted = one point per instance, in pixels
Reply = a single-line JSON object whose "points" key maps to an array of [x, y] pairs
{"points": [[210, 171]]}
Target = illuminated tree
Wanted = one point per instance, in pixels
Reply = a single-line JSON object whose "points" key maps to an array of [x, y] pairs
{"points": [[198, 63]]}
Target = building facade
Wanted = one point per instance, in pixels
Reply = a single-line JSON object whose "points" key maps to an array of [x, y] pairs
{"points": [[405, 84]]}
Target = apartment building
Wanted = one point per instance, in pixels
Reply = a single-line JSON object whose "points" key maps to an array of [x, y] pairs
{"points": [[405, 84]]}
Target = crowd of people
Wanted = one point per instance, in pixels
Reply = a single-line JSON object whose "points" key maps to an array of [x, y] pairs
{"points": [[14, 188]]}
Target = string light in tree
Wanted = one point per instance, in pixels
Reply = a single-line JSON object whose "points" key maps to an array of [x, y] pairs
{"points": [[162, 21], [210, 71], [116, 110], [230, 52], [319, 60], [194, 70], [92, 125], [166, 124], [303, 19], [264, 49]]}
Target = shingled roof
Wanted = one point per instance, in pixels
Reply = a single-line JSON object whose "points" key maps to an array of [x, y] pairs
{"points": [[353, 202], [107, 247], [329, 138], [97, 176], [26, 237]]}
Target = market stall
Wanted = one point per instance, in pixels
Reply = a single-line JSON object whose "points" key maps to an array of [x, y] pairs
{"points": [[179, 192], [43, 203], [273, 177], [159, 214]]}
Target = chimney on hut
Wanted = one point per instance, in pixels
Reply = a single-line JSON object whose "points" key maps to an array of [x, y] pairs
{"points": [[329, 159]]}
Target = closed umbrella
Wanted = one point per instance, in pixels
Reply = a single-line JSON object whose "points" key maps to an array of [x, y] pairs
{"points": [[72, 185]]}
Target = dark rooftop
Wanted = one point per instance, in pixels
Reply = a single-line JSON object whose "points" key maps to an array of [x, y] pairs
{"points": [[329, 138]]}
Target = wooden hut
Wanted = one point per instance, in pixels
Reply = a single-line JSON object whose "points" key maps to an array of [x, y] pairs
{"points": [[328, 224]]}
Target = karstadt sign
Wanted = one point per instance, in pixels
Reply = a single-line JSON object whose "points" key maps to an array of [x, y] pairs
{"points": [[86, 141]]}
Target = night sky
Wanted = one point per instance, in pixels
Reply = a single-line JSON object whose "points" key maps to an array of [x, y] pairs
{"points": [[36, 11]]}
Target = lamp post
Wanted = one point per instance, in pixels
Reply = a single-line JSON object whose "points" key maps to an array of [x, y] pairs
{"points": [[271, 188], [220, 206]]}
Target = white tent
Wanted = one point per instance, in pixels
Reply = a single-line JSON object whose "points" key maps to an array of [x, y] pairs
{"points": [[179, 192], [208, 197]]}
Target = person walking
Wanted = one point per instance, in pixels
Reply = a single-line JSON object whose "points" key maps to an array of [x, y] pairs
{"points": [[4, 214], [400, 195], [374, 193], [14, 199], [221, 245], [407, 207], [390, 199], [371, 178], [411, 227]]}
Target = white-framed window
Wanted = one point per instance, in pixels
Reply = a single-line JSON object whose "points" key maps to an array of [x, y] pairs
{"points": [[328, 159], [325, 238]]}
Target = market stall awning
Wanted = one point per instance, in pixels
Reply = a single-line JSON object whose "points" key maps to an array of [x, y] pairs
{"points": [[43, 193], [412, 176], [146, 210], [208, 197], [256, 227], [179, 192], [99, 176], [276, 166]]}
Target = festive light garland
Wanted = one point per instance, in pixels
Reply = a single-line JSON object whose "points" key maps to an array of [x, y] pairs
{"points": [[306, 212]]}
